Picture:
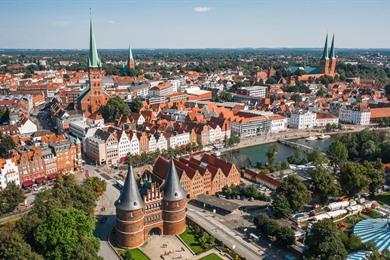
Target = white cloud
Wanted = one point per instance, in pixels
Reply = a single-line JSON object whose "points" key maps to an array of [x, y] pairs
{"points": [[202, 9], [111, 22]]}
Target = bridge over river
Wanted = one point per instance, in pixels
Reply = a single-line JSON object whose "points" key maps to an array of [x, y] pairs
{"points": [[295, 145]]}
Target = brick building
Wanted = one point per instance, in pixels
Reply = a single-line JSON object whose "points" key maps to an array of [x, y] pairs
{"points": [[152, 209], [94, 97], [206, 176]]}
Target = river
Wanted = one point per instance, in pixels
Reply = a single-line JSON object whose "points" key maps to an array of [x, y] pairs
{"points": [[252, 155]]}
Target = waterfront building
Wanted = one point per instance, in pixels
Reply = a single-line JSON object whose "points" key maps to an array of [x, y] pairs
{"points": [[356, 114], [302, 119], [246, 124]]}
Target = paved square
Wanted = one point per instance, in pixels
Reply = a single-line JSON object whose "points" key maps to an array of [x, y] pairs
{"points": [[166, 247]]}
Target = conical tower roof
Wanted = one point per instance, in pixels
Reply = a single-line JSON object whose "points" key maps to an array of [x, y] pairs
{"points": [[173, 191], [93, 57], [130, 198], [130, 57], [325, 54], [332, 54]]}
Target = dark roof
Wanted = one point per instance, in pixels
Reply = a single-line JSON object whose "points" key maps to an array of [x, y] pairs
{"points": [[173, 191], [217, 202], [130, 198]]}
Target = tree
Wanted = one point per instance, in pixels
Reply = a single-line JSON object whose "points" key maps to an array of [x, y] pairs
{"points": [[285, 236], [97, 185], [325, 185], [114, 109], [316, 156], [295, 192], [13, 247], [63, 233], [135, 105], [387, 90], [338, 154], [376, 174], [324, 242], [353, 178], [271, 154], [6, 144], [280, 206], [10, 198]]}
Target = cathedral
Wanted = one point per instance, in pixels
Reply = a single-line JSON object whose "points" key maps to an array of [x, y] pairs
{"points": [[151, 209]]}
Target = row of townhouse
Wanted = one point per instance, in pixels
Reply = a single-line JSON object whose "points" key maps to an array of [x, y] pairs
{"points": [[36, 164], [205, 176], [112, 144]]}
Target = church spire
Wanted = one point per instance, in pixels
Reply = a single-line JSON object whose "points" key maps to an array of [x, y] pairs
{"points": [[130, 53], [93, 57], [130, 198], [173, 191], [332, 54], [325, 54]]}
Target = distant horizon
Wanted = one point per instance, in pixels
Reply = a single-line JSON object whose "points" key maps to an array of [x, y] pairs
{"points": [[195, 24]]}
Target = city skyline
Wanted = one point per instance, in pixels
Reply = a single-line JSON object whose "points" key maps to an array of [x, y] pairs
{"points": [[194, 24]]}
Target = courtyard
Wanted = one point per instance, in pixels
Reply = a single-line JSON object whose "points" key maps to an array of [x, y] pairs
{"points": [[166, 247]]}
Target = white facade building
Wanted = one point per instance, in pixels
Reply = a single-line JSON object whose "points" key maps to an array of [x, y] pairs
{"points": [[9, 173], [179, 140], [354, 115], [27, 127], [162, 143], [152, 144], [278, 123], [134, 145], [302, 119], [123, 145]]}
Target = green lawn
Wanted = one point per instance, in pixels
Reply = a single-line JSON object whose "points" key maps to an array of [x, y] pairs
{"points": [[138, 255], [190, 239], [211, 256], [383, 198]]}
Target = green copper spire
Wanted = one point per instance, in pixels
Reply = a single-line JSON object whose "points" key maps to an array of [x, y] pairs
{"points": [[93, 58], [130, 53], [332, 54], [325, 54]]}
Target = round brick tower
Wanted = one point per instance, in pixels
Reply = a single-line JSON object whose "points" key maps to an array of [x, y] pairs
{"points": [[174, 203], [130, 214]]}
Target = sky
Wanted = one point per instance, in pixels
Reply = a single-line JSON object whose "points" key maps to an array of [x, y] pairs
{"points": [[64, 24]]}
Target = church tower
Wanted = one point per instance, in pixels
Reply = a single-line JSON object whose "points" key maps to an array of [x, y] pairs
{"points": [[94, 97], [324, 62], [174, 203], [130, 60], [130, 214], [332, 58]]}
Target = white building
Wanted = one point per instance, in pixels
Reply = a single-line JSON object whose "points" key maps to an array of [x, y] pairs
{"points": [[354, 115], [177, 140], [134, 144], [302, 119], [152, 143], [9, 172], [278, 123], [254, 91], [123, 145], [27, 127], [215, 134], [323, 119], [162, 143]]}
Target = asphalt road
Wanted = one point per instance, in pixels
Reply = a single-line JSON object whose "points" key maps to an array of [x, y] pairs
{"points": [[224, 234], [107, 201]]}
